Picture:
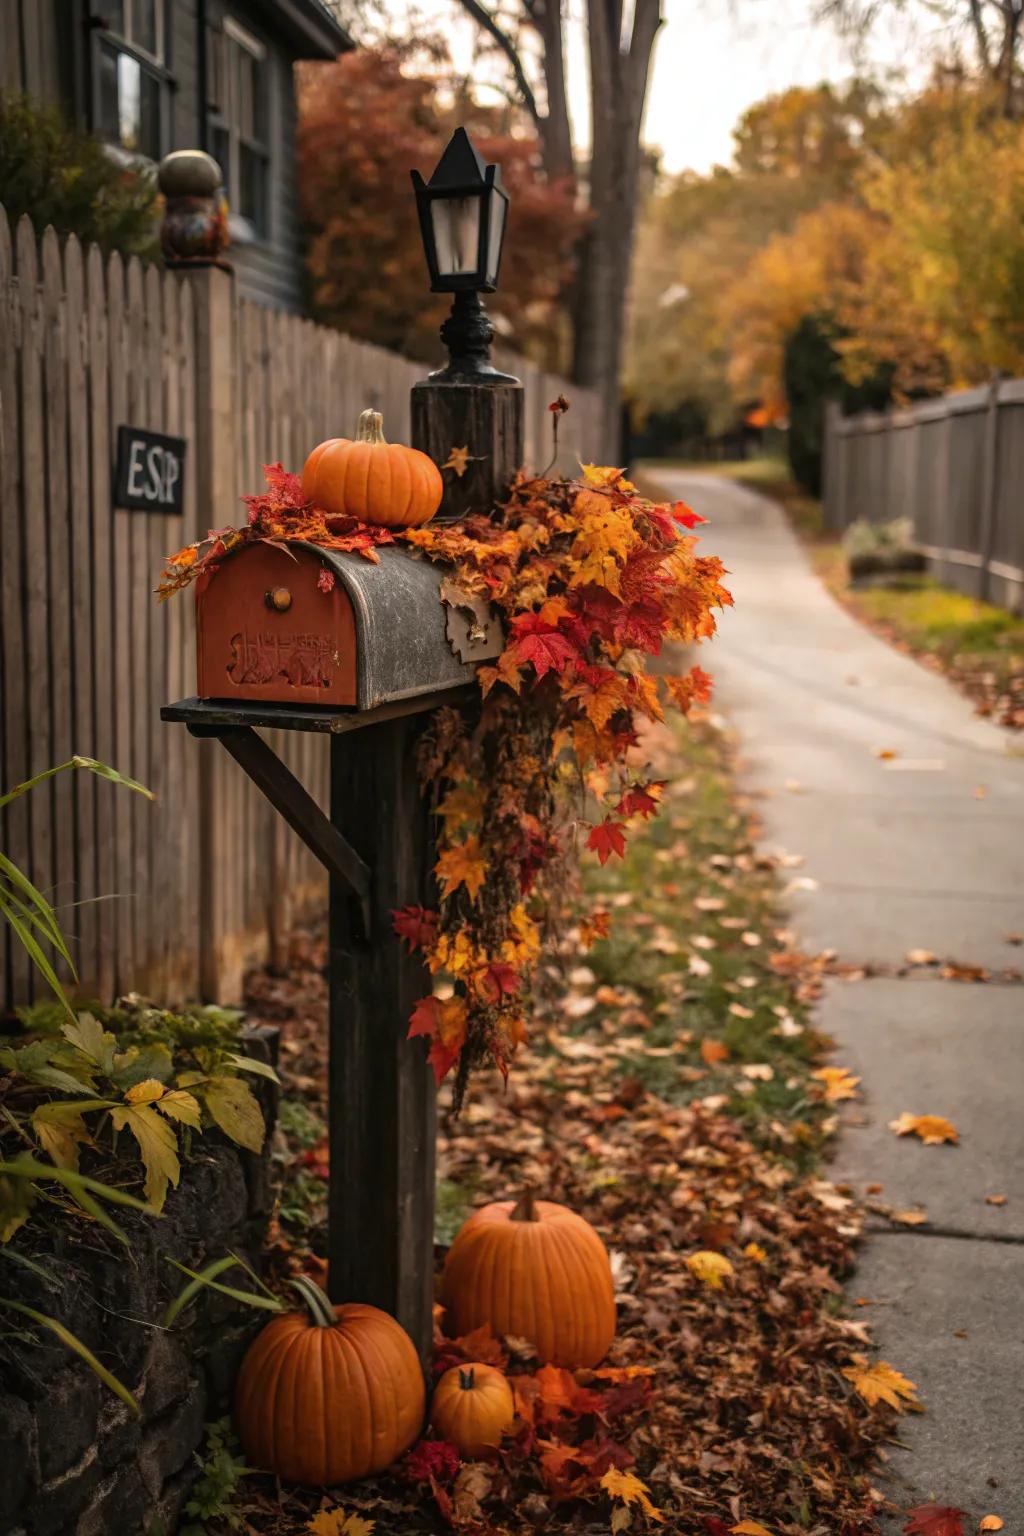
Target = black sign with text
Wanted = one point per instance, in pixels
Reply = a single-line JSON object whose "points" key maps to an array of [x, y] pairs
{"points": [[150, 471]]}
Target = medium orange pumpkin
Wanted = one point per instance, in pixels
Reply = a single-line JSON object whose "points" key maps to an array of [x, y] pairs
{"points": [[472, 1408], [537, 1270], [372, 479], [328, 1394]]}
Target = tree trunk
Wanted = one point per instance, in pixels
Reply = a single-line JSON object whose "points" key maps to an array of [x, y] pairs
{"points": [[618, 82]]}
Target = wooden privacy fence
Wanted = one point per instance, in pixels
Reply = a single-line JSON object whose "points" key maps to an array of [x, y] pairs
{"points": [[173, 898], [954, 467]]}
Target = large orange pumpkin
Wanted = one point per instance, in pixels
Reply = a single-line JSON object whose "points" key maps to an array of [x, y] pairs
{"points": [[537, 1270], [472, 1408], [372, 479], [328, 1394]]}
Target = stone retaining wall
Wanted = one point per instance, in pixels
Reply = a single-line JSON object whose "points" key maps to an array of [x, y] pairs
{"points": [[74, 1460]]}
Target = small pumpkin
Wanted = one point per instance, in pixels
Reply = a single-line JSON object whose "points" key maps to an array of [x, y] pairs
{"points": [[535, 1269], [328, 1394], [372, 479], [472, 1408]]}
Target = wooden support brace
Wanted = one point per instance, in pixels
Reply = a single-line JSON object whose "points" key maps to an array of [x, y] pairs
{"points": [[298, 808]]}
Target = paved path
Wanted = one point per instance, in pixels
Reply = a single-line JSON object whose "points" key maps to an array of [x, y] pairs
{"points": [[924, 850]]}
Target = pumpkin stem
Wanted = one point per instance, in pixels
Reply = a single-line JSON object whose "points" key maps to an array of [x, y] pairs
{"points": [[467, 1379], [321, 1313], [370, 428], [525, 1208]]}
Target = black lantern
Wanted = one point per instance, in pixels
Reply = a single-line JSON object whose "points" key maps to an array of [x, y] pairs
{"points": [[462, 210]]}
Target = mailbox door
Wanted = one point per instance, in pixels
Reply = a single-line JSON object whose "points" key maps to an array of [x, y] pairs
{"points": [[267, 632]]}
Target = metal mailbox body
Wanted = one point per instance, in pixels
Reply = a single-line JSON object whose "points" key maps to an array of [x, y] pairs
{"points": [[268, 632]]}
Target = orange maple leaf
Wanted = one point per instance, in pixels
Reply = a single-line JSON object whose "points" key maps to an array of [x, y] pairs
{"points": [[458, 460], [839, 1083], [463, 864], [932, 1129], [596, 926], [880, 1383], [627, 1488], [713, 1051]]}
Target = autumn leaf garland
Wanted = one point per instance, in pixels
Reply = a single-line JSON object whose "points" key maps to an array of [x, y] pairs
{"points": [[591, 579]]}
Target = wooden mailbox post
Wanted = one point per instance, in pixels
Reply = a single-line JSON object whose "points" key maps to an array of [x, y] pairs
{"points": [[364, 665]]}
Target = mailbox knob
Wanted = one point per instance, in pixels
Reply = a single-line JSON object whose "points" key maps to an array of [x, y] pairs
{"points": [[279, 598]]}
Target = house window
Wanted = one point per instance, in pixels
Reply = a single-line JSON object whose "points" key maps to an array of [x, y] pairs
{"points": [[239, 124], [130, 78]]}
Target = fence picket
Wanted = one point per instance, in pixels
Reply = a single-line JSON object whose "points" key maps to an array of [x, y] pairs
{"points": [[120, 601]]}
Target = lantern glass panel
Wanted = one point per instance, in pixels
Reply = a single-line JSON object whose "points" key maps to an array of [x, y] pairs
{"points": [[494, 235], [456, 225]]}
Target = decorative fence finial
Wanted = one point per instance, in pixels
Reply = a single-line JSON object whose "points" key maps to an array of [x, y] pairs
{"points": [[195, 222]]}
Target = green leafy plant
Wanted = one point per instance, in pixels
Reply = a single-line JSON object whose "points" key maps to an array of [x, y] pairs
{"points": [[25, 908], [67, 1087], [215, 1491], [60, 175]]}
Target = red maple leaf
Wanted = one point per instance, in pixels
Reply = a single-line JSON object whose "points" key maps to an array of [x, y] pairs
{"points": [[442, 1058], [424, 1018], [430, 1460], [416, 925], [499, 980], [934, 1520], [640, 799], [685, 515], [537, 641], [608, 838]]}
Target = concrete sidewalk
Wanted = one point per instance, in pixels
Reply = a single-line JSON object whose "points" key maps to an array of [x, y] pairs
{"points": [[920, 850]]}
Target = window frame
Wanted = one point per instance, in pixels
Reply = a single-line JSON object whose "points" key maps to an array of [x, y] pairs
{"points": [[156, 66], [222, 119]]}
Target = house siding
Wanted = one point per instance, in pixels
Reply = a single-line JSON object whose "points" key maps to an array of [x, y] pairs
{"points": [[43, 50]]}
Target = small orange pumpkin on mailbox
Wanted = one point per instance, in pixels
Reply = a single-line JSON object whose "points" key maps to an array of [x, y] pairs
{"points": [[371, 479]]}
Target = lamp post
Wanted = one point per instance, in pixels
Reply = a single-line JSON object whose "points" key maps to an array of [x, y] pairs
{"points": [[463, 213]]}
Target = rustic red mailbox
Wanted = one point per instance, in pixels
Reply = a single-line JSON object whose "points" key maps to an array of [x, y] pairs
{"points": [[268, 631]]}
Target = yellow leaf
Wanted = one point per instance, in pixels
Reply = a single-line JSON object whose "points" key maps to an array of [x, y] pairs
{"points": [[145, 1092], [462, 806], [710, 1268], [628, 1489], [750, 1528], [880, 1382], [87, 1035], [236, 1110], [756, 1252], [181, 1106], [991, 1523], [458, 460], [463, 864], [335, 1522], [932, 1129], [60, 1129], [158, 1148], [839, 1083]]}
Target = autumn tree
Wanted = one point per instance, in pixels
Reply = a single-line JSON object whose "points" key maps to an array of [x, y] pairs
{"points": [[794, 151], [364, 121], [990, 30], [620, 44]]}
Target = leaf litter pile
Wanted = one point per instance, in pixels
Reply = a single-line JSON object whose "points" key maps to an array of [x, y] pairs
{"points": [[674, 1094]]}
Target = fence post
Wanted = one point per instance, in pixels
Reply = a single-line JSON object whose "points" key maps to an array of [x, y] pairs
{"points": [[989, 488], [213, 296]]}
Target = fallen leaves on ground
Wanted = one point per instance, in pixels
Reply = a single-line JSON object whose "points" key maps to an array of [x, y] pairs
{"points": [[336, 1522], [880, 1383], [838, 1083], [935, 1520], [933, 1130], [716, 1399]]}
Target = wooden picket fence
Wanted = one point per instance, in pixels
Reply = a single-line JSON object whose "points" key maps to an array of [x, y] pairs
{"points": [[952, 466], [172, 898]]}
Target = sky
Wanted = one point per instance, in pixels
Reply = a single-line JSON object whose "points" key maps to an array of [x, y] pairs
{"points": [[713, 58]]}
